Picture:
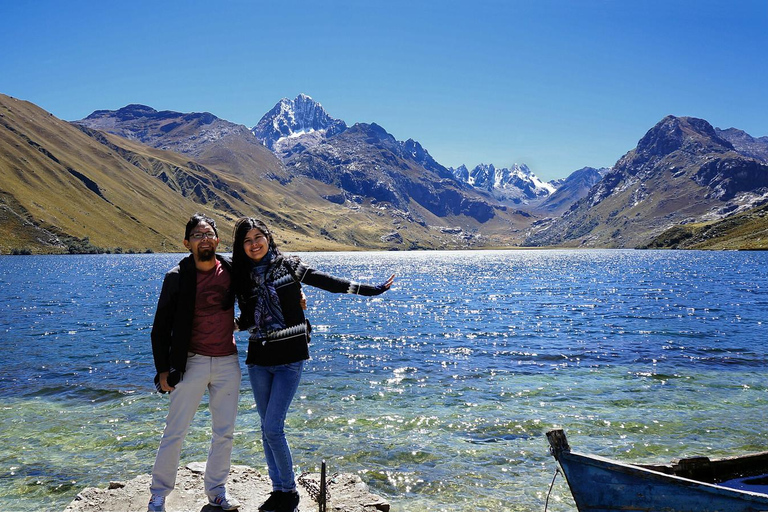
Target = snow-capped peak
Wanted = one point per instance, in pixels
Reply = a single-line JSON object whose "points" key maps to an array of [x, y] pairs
{"points": [[293, 118]]}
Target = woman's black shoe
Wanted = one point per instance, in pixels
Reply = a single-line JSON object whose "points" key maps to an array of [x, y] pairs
{"points": [[289, 502], [273, 502]]}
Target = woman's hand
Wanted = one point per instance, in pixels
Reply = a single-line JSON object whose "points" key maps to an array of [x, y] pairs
{"points": [[388, 283]]}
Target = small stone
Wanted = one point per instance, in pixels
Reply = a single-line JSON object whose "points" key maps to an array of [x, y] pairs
{"points": [[196, 467]]}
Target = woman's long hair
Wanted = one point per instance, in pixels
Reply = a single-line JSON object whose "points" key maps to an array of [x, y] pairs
{"points": [[240, 260]]}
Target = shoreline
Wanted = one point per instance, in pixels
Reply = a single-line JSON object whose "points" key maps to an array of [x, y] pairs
{"points": [[346, 493]]}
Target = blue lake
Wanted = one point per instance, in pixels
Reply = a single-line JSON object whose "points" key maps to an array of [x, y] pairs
{"points": [[437, 393]]}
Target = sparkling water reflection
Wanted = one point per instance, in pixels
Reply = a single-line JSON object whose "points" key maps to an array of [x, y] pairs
{"points": [[437, 393]]}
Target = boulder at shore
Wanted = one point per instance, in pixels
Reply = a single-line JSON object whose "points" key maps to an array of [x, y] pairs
{"points": [[346, 493]]}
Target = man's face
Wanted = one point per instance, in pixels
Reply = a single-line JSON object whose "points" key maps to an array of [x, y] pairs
{"points": [[202, 242]]}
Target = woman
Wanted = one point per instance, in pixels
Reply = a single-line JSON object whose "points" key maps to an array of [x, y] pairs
{"points": [[268, 288]]}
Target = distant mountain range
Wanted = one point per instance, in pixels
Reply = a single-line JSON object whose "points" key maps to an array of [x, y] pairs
{"points": [[128, 179], [517, 185], [363, 164], [295, 126]]}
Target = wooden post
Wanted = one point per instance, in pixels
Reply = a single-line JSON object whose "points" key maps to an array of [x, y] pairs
{"points": [[322, 498]]}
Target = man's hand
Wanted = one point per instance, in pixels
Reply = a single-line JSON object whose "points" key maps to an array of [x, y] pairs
{"points": [[163, 376], [303, 300]]}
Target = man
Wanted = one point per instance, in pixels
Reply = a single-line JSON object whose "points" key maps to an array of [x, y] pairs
{"points": [[194, 349]]}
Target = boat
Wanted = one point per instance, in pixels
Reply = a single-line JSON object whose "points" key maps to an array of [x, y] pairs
{"points": [[696, 484]]}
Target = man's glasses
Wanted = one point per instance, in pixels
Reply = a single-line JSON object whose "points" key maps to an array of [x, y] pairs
{"points": [[199, 236]]}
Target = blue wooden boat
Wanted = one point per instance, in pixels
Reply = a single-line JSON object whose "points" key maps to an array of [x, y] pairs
{"points": [[598, 484]]}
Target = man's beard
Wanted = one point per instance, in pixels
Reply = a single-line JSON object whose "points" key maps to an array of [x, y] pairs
{"points": [[206, 254]]}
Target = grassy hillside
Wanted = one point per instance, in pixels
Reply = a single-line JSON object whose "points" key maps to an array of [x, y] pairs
{"points": [[743, 231]]}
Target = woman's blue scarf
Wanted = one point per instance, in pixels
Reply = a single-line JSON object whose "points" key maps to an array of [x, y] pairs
{"points": [[267, 314]]}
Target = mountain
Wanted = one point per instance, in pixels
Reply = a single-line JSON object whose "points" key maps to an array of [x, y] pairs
{"points": [[517, 185], [571, 189], [746, 144], [301, 122], [313, 133], [681, 172], [310, 142], [70, 188], [127, 180]]}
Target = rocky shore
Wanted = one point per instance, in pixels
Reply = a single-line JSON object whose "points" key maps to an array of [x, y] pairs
{"points": [[346, 493]]}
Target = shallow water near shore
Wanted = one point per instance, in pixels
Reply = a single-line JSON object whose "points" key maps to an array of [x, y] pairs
{"points": [[437, 393]]}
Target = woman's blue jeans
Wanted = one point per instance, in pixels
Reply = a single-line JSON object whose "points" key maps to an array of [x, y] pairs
{"points": [[274, 388]]}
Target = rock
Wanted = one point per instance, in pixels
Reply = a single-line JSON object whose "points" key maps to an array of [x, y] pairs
{"points": [[346, 493], [393, 237]]}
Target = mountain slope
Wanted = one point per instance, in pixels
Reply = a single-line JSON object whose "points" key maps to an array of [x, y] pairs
{"points": [[744, 230], [680, 172], [371, 169], [202, 136]]}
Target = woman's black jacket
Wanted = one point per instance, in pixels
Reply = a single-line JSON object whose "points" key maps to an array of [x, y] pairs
{"points": [[290, 345]]}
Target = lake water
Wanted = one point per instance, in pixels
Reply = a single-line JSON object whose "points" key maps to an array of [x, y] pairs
{"points": [[437, 393]]}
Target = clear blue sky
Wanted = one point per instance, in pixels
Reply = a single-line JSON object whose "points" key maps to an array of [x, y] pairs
{"points": [[557, 85]]}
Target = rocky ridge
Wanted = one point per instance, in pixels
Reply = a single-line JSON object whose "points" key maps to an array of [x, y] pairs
{"points": [[366, 162], [167, 130], [746, 144]]}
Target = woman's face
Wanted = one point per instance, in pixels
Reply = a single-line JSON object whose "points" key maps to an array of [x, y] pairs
{"points": [[255, 245]]}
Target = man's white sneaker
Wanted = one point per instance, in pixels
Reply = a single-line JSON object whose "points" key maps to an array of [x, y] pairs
{"points": [[225, 501]]}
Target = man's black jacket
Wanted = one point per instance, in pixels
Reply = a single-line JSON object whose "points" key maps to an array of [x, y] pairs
{"points": [[172, 327]]}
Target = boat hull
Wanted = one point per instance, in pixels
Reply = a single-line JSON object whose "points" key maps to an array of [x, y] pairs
{"points": [[603, 485]]}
